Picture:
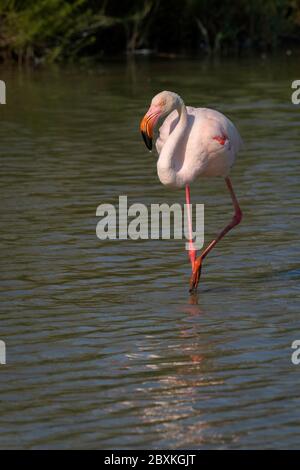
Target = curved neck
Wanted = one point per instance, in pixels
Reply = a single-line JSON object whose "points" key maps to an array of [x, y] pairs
{"points": [[171, 157]]}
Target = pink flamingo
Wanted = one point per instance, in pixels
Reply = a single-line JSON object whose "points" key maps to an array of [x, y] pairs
{"points": [[192, 142]]}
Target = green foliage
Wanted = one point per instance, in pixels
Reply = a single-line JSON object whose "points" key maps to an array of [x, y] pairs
{"points": [[59, 30], [39, 28]]}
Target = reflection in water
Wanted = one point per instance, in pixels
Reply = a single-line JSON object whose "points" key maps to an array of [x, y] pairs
{"points": [[181, 392], [105, 348]]}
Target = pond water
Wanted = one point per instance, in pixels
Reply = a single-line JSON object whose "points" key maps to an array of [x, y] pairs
{"points": [[105, 347]]}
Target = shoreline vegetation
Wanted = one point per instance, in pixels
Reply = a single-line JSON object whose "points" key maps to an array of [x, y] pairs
{"points": [[47, 31]]}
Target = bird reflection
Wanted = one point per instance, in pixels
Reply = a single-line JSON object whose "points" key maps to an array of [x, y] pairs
{"points": [[180, 393], [192, 307]]}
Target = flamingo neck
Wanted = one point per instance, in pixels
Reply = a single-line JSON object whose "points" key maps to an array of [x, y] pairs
{"points": [[171, 157]]}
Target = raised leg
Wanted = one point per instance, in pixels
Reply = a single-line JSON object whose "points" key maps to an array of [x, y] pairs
{"points": [[192, 251], [236, 219]]}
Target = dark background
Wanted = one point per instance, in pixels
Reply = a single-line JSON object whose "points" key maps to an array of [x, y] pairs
{"points": [[60, 30]]}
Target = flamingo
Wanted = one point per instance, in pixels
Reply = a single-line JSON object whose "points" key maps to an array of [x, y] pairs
{"points": [[192, 143]]}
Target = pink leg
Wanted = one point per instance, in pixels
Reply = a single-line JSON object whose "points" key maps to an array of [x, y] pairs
{"points": [[236, 219], [192, 251]]}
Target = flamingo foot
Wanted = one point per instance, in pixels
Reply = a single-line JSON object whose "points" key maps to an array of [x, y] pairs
{"points": [[195, 277]]}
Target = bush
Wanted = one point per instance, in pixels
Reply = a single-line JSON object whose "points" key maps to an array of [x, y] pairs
{"points": [[60, 30]]}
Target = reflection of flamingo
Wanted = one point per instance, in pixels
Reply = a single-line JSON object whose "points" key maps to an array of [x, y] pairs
{"points": [[192, 142]]}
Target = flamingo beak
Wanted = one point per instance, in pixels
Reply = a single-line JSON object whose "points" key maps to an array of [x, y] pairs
{"points": [[147, 137], [147, 125]]}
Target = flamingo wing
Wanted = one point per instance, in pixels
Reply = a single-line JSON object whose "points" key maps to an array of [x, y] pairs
{"points": [[212, 143]]}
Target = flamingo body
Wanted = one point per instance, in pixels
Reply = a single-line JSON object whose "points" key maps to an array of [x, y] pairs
{"points": [[207, 146], [191, 143]]}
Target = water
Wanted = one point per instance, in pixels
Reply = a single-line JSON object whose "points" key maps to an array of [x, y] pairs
{"points": [[105, 347]]}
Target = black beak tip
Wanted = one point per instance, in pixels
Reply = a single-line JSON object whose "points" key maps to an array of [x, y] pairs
{"points": [[147, 140]]}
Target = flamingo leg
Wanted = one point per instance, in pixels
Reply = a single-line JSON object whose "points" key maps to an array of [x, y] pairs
{"points": [[192, 251], [236, 219]]}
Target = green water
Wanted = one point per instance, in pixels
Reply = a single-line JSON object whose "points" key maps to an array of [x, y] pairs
{"points": [[105, 348]]}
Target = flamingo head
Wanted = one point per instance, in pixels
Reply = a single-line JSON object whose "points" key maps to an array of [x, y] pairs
{"points": [[161, 105]]}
